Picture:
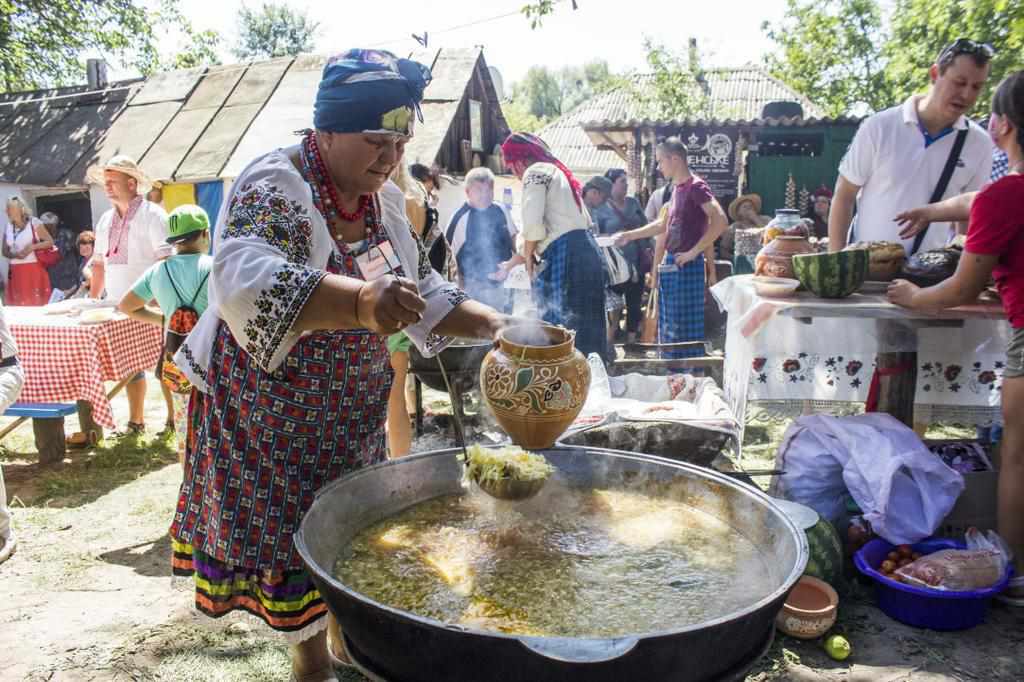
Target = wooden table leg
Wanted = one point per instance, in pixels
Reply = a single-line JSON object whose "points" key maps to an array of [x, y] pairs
{"points": [[87, 424], [50, 441], [896, 389]]}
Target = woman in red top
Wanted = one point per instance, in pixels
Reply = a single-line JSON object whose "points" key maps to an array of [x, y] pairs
{"points": [[994, 248]]}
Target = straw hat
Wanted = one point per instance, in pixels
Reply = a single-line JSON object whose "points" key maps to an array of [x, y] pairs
{"points": [[122, 164], [734, 205]]}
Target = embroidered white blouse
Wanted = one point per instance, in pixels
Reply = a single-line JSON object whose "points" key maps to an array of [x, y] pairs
{"points": [[271, 249], [549, 208]]}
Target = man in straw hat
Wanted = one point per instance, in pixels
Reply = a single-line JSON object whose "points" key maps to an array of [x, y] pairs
{"points": [[130, 237], [745, 213]]}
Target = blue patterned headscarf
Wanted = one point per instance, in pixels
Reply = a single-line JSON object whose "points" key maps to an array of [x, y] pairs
{"points": [[370, 91]]}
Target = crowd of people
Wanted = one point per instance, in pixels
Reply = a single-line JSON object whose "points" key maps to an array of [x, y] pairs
{"points": [[330, 263]]}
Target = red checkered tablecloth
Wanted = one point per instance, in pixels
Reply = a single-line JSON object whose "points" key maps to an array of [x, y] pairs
{"points": [[66, 360]]}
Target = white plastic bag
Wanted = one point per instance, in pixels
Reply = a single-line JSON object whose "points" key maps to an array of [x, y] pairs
{"points": [[904, 490]]}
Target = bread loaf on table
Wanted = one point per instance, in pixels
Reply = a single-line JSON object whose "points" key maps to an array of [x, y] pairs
{"points": [[885, 259]]}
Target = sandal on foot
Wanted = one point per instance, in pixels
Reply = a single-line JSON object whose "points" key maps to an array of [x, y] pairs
{"points": [[135, 429]]}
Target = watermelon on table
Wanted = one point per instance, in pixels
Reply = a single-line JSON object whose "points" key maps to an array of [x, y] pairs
{"points": [[832, 275]]}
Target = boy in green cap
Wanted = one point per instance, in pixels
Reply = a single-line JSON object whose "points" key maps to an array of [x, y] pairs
{"points": [[178, 284]]}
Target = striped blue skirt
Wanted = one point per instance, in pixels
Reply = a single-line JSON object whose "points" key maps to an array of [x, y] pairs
{"points": [[569, 290], [681, 305]]}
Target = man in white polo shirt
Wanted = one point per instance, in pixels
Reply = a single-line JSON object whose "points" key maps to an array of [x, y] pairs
{"points": [[898, 155], [130, 237]]}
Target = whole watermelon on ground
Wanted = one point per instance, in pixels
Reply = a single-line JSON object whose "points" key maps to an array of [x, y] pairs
{"points": [[825, 558], [832, 275]]}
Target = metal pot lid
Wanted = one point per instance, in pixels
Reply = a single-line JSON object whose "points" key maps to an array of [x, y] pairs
{"points": [[800, 514]]}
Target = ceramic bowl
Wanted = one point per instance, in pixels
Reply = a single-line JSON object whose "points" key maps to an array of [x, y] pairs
{"points": [[810, 609], [775, 286]]}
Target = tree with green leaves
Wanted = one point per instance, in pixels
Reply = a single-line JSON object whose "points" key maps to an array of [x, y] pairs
{"points": [[831, 51], [675, 87], [274, 30], [42, 41], [838, 53], [546, 93], [194, 48], [921, 28]]}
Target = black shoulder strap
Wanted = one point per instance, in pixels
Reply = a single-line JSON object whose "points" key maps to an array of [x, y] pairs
{"points": [[947, 174], [177, 292], [167, 271], [199, 289]]}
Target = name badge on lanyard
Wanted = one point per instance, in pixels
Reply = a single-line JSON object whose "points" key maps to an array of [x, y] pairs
{"points": [[380, 260]]}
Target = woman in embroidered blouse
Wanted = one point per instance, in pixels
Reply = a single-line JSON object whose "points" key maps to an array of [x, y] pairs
{"points": [[561, 255], [291, 357], [28, 283]]}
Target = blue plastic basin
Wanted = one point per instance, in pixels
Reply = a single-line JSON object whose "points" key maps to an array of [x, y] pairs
{"points": [[922, 607]]}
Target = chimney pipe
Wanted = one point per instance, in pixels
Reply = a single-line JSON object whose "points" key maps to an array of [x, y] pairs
{"points": [[96, 72], [694, 57]]}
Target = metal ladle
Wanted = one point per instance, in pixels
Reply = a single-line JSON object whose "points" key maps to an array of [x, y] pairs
{"points": [[509, 489]]}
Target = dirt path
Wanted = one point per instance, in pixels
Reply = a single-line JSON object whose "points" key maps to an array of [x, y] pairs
{"points": [[88, 596]]}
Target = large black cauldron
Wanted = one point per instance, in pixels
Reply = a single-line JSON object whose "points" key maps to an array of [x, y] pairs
{"points": [[402, 647]]}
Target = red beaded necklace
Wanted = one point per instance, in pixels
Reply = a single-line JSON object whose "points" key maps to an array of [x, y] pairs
{"points": [[329, 194]]}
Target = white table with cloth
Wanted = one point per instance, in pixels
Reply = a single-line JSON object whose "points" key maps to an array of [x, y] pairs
{"points": [[805, 354]]}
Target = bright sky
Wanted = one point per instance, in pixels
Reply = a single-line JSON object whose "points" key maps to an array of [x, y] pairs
{"points": [[729, 31]]}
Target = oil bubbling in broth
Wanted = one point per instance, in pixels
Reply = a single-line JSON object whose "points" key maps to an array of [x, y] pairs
{"points": [[598, 563]]}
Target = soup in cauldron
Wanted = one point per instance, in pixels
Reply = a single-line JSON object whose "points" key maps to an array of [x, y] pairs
{"points": [[573, 563]]}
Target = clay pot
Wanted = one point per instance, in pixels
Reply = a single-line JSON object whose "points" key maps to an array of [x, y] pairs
{"points": [[776, 258], [535, 383], [810, 609]]}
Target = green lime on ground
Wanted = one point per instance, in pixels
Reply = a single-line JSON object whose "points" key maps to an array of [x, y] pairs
{"points": [[837, 647]]}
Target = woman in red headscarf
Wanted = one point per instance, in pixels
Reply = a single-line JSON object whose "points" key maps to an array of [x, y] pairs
{"points": [[560, 252]]}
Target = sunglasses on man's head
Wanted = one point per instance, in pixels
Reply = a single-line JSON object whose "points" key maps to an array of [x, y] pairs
{"points": [[86, 243], [967, 46]]}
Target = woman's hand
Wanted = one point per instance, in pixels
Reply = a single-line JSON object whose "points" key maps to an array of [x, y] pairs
{"points": [[389, 304], [913, 221], [901, 292], [622, 238], [682, 259]]}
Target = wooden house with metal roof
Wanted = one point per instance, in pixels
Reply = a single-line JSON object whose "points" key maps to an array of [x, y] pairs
{"points": [[756, 133], [195, 129]]}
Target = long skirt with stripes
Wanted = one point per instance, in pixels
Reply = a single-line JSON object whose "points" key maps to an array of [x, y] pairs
{"points": [[681, 304], [569, 291]]}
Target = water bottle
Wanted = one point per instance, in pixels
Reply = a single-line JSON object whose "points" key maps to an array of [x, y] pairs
{"points": [[506, 198]]}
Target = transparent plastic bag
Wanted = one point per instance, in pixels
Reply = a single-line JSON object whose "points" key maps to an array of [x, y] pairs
{"points": [[978, 567]]}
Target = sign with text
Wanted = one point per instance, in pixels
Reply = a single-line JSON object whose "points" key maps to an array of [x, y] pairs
{"points": [[713, 157]]}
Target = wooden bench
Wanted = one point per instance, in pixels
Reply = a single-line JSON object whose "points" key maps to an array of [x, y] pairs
{"points": [[47, 425]]}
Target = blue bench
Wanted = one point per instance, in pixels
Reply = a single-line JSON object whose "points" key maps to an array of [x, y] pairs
{"points": [[40, 410], [47, 425]]}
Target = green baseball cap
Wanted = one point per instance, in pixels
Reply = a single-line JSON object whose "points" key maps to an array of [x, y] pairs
{"points": [[185, 221]]}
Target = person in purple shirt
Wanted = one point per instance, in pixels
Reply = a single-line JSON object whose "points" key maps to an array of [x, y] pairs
{"points": [[693, 222]]}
